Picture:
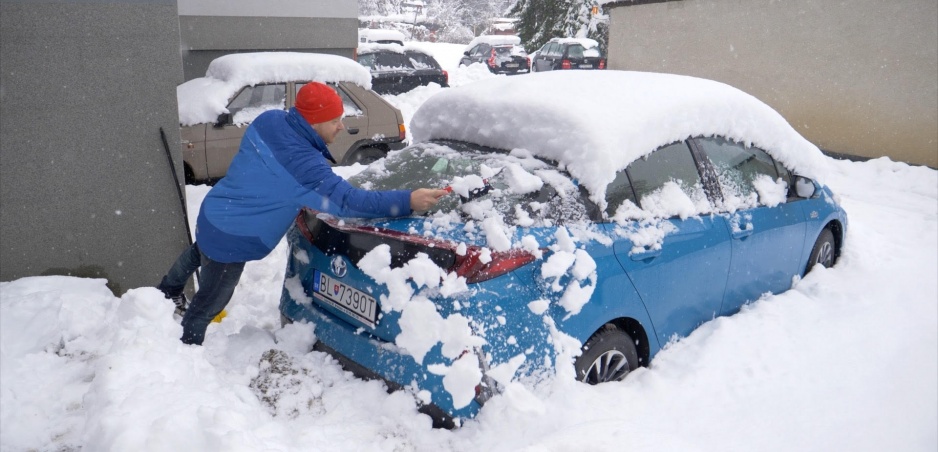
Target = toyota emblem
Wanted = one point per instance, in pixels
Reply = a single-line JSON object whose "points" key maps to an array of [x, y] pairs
{"points": [[339, 269]]}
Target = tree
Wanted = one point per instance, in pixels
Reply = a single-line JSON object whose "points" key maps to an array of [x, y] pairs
{"points": [[541, 20]]}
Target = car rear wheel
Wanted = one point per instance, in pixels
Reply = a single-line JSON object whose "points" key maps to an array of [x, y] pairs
{"points": [[367, 156], [607, 356], [823, 253]]}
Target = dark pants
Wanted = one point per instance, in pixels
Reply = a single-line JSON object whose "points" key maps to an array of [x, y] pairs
{"points": [[216, 285]]}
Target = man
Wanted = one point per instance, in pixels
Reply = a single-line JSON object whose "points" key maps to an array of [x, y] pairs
{"points": [[280, 167]]}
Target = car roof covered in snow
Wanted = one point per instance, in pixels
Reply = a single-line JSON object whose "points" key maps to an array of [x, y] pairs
{"points": [[364, 48], [379, 34], [495, 40], [594, 123], [201, 100], [585, 42]]}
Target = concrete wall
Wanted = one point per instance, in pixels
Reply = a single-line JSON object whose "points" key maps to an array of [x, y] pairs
{"points": [[85, 186], [856, 77], [212, 28]]}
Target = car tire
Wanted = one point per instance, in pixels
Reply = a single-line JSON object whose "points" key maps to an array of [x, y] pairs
{"points": [[366, 156], [610, 355], [823, 252]]}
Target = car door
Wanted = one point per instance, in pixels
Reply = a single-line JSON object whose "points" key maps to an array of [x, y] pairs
{"points": [[223, 138], [677, 261], [767, 230]]}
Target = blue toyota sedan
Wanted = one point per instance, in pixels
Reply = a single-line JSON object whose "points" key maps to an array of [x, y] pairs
{"points": [[593, 217]]}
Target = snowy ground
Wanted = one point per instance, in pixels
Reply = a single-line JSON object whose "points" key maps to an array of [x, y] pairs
{"points": [[846, 360]]}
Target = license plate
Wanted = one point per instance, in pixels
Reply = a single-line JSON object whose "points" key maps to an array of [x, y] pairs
{"points": [[586, 66], [355, 303], [511, 64]]}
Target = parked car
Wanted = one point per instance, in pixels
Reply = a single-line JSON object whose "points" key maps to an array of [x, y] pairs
{"points": [[500, 53], [637, 207], [568, 53], [215, 110], [397, 69]]}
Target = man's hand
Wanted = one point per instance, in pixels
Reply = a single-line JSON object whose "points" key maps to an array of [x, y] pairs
{"points": [[424, 198]]}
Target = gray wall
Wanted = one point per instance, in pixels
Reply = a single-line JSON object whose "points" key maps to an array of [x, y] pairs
{"points": [[854, 76], [85, 186], [209, 29]]}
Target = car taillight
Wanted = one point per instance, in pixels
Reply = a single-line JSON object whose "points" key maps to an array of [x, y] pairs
{"points": [[528, 60], [492, 59], [472, 268], [602, 63], [565, 64], [446, 77], [402, 131]]}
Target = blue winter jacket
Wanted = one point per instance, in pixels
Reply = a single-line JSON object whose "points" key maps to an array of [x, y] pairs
{"points": [[280, 167]]}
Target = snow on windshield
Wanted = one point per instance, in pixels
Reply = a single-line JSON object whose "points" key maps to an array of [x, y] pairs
{"points": [[201, 100], [590, 125]]}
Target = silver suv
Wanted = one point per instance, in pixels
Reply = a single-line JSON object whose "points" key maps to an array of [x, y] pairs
{"points": [[215, 110]]}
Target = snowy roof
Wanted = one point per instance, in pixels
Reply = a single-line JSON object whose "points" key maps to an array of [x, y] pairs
{"points": [[494, 40], [585, 42], [397, 48], [203, 99], [594, 123], [378, 34]]}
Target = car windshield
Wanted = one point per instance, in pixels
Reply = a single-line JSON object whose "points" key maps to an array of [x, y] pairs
{"points": [[517, 185]]}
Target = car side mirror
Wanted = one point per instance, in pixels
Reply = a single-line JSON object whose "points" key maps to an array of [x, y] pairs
{"points": [[804, 187], [223, 120], [466, 53]]}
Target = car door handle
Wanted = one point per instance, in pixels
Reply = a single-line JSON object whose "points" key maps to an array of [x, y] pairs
{"points": [[352, 131], [646, 254], [743, 232]]}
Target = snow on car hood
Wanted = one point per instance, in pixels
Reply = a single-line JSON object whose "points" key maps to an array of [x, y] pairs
{"points": [[201, 100], [594, 123]]}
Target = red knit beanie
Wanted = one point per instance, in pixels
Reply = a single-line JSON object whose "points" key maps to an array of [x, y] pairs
{"points": [[318, 103]]}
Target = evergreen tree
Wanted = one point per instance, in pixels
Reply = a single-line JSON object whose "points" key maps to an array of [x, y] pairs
{"points": [[540, 20]]}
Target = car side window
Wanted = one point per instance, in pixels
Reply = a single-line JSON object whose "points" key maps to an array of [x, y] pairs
{"points": [[553, 50], [367, 60], [477, 50], [617, 192], [351, 107], [667, 183], [254, 100], [748, 175]]}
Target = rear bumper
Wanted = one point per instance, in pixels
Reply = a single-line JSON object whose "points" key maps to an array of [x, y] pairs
{"points": [[441, 419], [361, 353]]}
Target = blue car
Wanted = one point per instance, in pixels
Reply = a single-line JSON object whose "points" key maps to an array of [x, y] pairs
{"points": [[617, 242]]}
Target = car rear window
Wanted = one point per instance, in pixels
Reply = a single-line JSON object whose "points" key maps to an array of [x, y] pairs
{"points": [[511, 181], [422, 61]]}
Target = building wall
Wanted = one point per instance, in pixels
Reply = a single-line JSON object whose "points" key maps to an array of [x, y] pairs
{"points": [[85, 185], [855, 77], [212, 28]]}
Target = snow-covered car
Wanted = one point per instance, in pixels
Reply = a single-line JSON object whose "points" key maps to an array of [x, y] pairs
{"points": [[502, 54], [397, 69], [380, 36], [568, 53], [562, 247], [215, 110]]}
